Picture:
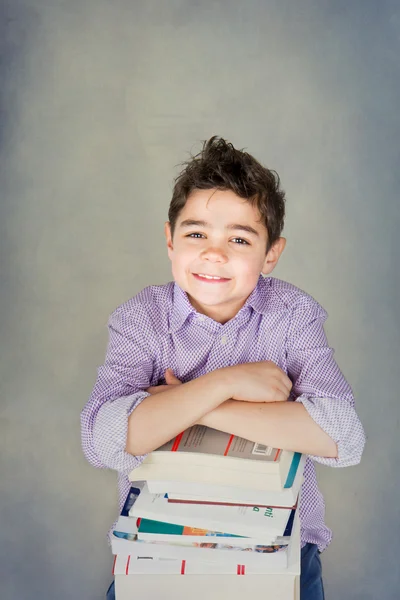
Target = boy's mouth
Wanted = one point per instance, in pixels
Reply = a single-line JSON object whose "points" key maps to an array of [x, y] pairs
{"points": [[210, 278]]}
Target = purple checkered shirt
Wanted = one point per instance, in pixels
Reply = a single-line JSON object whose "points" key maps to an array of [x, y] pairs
{"points": [[159, 329]]}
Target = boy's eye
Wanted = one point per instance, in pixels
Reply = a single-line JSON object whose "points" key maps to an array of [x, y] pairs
{"points": [[242, 242]]}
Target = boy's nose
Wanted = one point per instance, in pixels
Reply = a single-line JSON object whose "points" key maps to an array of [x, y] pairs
{"points": [[215, 254]]}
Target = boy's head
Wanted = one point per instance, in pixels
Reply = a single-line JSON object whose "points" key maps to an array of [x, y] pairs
{"points": [[225, 220], [220, 166]]}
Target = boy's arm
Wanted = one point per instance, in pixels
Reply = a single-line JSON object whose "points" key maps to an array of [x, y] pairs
{"points": [[119, 389], [178, 406], [162, 416], [285, 425], [324, 398], [319, 385], [121, 421]]}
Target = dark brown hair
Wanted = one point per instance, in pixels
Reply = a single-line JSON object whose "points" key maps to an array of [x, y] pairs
{"points": [[219, 165]]}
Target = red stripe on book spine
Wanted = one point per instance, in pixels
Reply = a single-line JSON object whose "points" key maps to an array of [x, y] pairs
{"points": [[183, 567], [238, 570], [277, 454], [177, 441], [243, 569], [228, 445], [115, 560], [176, 501], [127, 564]]}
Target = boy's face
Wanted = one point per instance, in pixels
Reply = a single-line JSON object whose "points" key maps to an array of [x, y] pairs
{"points": [[219, 246]]}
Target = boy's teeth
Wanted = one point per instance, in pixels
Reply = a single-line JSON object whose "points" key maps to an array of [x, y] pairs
{"points": [[209, 276]]}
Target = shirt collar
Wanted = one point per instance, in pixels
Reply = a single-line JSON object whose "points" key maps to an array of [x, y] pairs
{"points": [[262, 299], [181, 308]]}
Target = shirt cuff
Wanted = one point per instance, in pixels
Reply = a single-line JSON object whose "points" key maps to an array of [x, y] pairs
{"points": [[340, 421], [110, 433]]}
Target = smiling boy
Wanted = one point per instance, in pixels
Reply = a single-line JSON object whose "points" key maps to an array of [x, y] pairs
{"points": [[248, 353]]}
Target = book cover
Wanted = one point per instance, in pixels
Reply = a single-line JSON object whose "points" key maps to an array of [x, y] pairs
{"points": [[130, 565], [199, 439], [125, 523], [213, 554], [149, 530], [205, 552], [204, 455], [239, 520]]}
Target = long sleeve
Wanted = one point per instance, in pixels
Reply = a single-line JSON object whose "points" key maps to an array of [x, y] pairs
{"points": [[119, 389], [319, 384]]}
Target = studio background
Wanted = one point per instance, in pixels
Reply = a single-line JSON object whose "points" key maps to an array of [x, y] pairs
{"points": [[100, 101]]}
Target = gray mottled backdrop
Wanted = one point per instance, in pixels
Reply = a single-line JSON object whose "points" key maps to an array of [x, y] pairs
{"points": [[99, 101]]}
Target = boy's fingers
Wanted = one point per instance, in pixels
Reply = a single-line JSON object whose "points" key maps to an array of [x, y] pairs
{"points": [[281, 396], [169, 375], [156, 389], [285, 382], [283, 389], [281, 376]]}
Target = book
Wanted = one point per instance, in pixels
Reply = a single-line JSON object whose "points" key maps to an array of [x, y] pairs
{"points": [[184, 492], [151, 558], [159, 531], [204, 455], [204, 551], [280, 583], [133, 578], [127, 565], [132, 528], [125, 523], [279, 586], [130, 565], [240, 520], [127, 530]]}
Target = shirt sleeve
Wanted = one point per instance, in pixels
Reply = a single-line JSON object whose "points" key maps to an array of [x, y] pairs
{"points": [[119, 389], [319, 384]]}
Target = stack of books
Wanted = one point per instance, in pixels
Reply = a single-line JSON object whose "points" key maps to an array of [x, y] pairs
{"points": [[213, 506]]}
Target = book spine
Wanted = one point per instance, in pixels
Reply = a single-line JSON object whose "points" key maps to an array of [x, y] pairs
{"points": [[209, 502], [162, 528], [293, 470]]}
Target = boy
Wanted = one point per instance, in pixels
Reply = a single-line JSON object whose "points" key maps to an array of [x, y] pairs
{"points": [[231, 349]]}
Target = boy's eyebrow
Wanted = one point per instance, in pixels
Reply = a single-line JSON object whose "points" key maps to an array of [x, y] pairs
{"points": [[231, 226]]}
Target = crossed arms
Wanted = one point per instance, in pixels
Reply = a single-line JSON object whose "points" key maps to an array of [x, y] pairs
{"points": [[248, 400], [125, 418]]}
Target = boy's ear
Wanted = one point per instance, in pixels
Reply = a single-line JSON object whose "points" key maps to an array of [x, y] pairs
{"points": [[273, 256], [168, 236]]}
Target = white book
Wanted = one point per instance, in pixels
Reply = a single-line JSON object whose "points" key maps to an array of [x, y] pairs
{"points": [[207, 456], [183, 491], [281, 584], [125, 544], [239, 520], [127, 530], [223, 556], [189, 540], [277, 586], [195, 565]]}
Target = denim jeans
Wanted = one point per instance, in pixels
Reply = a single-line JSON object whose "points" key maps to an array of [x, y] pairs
{"points": [[311, 587]]}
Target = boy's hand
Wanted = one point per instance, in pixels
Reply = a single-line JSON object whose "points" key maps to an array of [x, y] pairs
{"points": [[260, 381], [171, 381]]}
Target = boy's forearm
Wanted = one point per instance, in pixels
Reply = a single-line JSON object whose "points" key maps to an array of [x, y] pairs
{"points": [[162, 416], [285, 425]]}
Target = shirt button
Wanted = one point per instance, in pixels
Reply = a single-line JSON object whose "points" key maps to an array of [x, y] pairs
{"points": [[224, 339], [201, 318]]}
